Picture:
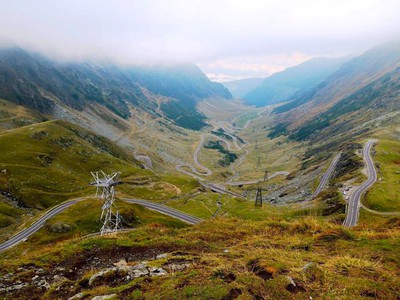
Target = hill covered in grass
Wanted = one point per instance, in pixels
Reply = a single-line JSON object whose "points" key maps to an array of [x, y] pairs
{"points": [[45, 163], [34, 81], [225, 258], [361, 95]]}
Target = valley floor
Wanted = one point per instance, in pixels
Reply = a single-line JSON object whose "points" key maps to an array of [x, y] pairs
{"points": [[293, 247]]}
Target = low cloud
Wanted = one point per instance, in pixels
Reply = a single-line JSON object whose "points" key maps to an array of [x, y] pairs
{"points": [[240, 67], [230, 34]]}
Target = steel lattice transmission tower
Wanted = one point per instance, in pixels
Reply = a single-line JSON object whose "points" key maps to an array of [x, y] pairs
{"points": [[105, 184], [266, 175], [259, 199]]}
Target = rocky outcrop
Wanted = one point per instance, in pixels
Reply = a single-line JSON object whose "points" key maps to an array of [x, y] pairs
{"points": [[125, 273], [105, 297]]}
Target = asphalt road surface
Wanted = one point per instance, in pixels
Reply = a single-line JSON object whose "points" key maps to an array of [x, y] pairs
{"points": [[220, 189], [35, 226], [174, 213], [237, 183], [353, 206], [325, 178]]}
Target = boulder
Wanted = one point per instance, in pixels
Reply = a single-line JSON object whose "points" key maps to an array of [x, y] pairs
{"points": [[105, 297], [76, 297], [125, 273]]}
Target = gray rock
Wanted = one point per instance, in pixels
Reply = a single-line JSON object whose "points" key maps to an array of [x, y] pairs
{"points": [[40, 272], [178, 267], [158, 272], [128, 272], [140, 272], [14, 287], [293, 287], [77, 296], [105, 297], [291, 281], [59, 278], [95, 277], [60, 227], [121, 263], [307, 266], [44, 284], [141, 266], [152, 269], [59, 269]]}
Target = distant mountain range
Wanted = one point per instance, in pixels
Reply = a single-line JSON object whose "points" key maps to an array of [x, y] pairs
{"points": [[362, 95], [283, 85], [45, 85], [239, 88]]}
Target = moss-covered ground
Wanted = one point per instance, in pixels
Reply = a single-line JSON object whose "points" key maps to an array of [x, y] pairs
{"points": [[232, 257]]}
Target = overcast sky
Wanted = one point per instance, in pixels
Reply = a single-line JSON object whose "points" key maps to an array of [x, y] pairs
{"points": [[227, 39]]}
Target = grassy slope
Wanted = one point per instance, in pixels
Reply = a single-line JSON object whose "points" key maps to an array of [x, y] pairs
{"points": [[8, 213], [244, 118], [275, 154], [228, 255], [14, 116], [61, 159], [385, 193], [48, 163], [83, 218]]}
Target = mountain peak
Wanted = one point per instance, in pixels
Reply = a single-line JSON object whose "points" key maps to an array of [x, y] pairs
{"points": [[281, 86]]}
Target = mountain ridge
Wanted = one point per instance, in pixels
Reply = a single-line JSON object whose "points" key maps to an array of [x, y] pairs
{"points": [[283, 85], [35, 81], [358, 96]]}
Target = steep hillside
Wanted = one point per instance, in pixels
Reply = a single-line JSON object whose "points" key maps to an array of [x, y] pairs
{"points": [[39, 83], [350, 77], [283, 85], [239, 88], [363, 95], [376, 101], [43, 163], [46, 163]]}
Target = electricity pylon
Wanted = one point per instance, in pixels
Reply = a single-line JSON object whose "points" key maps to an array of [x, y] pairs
{"points": [[258, 193], [266, 175], [259, 199], [106, 192]]}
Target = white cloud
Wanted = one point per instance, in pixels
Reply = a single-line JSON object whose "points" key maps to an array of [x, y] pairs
{"points": [[201, 31], [239, 67]]}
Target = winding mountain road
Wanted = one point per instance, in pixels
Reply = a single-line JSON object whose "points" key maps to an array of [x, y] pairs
{"points": [[35, 226], [327, 175], [220, 189], [238, 183], [207, 172], [166, 210], [39, 223], [195, 173], [353, 207]]}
